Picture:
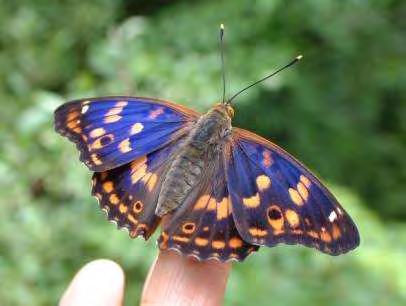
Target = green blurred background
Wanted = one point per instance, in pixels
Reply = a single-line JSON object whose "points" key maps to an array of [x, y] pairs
{"points": [[342, 111]]}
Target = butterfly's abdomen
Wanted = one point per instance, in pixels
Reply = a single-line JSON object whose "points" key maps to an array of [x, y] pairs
{"points": [[182, 176]]}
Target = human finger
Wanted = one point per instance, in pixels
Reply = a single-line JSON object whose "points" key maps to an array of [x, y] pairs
{"points": [[177, 280], [98, 283]]}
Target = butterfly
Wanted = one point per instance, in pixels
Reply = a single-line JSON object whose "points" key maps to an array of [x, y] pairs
{"points": [[218, 192]]}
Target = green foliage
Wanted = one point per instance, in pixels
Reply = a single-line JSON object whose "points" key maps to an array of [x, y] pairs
{"points": [[341, 111]]}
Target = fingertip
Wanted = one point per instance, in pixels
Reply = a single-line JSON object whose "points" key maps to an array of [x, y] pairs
{"points": [[185, 281], [99, 283]]}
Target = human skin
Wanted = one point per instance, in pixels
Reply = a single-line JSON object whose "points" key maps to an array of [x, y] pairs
{"points": [[172, 280]]}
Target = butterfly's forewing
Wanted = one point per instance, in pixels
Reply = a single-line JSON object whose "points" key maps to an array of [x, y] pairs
{"points": [[112, 131], [129, 193], [203, 227], [276, 199]]}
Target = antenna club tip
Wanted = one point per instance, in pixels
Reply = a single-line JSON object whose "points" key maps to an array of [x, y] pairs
{"points": [[299, 57], [221, 26]]}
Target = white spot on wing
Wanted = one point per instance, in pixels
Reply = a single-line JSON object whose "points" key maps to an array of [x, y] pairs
{"points": [[332, 216], [85, 108]]}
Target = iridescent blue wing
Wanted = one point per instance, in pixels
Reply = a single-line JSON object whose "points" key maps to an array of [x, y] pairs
{"points": [[128, 194], [203, 227], [275, 199], [112, 131]]}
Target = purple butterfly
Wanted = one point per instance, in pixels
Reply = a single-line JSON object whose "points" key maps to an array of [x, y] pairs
{"points": [[218, 191]]}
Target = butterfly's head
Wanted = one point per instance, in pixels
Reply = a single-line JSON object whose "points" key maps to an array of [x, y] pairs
{"points": [[226, 109], [230, 110]]}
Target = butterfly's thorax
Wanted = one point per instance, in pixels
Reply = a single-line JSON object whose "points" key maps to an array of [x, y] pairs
{"points": [[203, 143]]}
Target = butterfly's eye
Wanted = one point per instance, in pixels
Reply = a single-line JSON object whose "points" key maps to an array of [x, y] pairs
{"points": [[230, 111]]}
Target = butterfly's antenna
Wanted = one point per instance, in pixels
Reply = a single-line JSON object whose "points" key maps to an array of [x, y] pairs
{"points": [[223, 71], [294, 61]]}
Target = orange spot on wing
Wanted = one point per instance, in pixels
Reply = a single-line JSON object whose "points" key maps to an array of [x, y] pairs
{"points": [[138, 169], [114, 199], [251, 202], [180, 239], [108, 186], [97, 132], [202, 202], [152, 182], [263, 182], [155, 113], [138, 163], [122, 208], [72, 121], [336, 233], [72, 116], [77, 129], [301, 188], [125, 146], [295, 197], [138, 174], [212, 205], [223, 209], [267, 159], [257, 232], [292, 217], [235, 243], [71, 125], [201, 241], [95, 159], [218, 244], [305, 181], [325, 236], [136, 128], [112, 119]]}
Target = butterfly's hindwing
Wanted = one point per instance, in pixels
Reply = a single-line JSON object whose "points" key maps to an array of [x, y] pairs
{"points": [[204, 227], [276, 199], [129, 193], [112, 131]]}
